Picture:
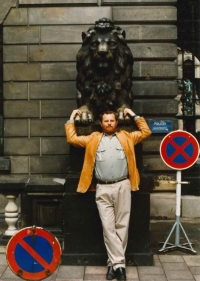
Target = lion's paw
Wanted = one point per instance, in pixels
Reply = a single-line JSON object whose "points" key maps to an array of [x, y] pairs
{"points": [[123, 119], [85, 119]]}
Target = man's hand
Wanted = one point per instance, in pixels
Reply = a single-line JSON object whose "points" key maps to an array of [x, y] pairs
{"points": [[128, 111], [74, 113]]}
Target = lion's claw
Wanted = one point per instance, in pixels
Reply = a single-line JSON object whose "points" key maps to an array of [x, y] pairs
{"points": [[85, 118], [123, 119]]}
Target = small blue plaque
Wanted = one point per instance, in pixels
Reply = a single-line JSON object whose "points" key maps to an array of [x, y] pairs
{"points": [[160, 126]]}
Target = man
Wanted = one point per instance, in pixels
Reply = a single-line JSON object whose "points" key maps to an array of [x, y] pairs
{"points": [[110, 157]]}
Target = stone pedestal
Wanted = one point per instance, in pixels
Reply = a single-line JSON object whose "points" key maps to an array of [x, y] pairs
{"points": [[83, 236]]}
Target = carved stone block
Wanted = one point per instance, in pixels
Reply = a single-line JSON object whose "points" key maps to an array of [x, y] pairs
{"points": [[21, 35], [21, 109], [15, 54], [54, 164], [21, 71], [58, 71], [144, 13], [47, 127], [52, 90], [15, 90]]}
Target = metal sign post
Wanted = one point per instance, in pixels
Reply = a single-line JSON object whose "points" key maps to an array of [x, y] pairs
{"points": [[177, 225], [179, 150]]}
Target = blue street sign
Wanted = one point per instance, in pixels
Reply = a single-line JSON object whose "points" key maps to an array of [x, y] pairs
{"points": [[160, 126]]}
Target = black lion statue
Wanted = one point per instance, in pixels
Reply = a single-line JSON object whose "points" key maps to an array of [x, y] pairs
{"points": [[104, 65]]}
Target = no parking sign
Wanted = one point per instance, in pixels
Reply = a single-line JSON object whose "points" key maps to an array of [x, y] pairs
{"points": [[179, 150], [33, 253]]}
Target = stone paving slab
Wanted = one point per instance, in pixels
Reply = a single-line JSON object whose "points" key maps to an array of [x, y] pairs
{"points": [[192, 260], [179, 275], [166, 268], [171, 258], [174, 266], [71, 272]]}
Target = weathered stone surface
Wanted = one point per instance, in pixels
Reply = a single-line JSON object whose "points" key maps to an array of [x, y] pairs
{"points": [[58, 71], [150, 32], [70, 15], [156, 107], [57, 108], [21, 72], [21, 109], [55, 145], [49, 164], [5, 7], [154, 163], [15, 90], [3, 203], [52, 90], [42, 2], [155, 88], [154, 70], [147, 13], [19, 164], [22, 146], [15, 53], [47, 127], [53, 52], [190, 206], [17, 17], [152, 144], [154, 51], [163, 205], [21, 35], [16, 128], [62, 33], [160, 32]]}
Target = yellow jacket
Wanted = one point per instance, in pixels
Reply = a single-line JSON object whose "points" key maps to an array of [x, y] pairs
{"points": [[91, 142]]}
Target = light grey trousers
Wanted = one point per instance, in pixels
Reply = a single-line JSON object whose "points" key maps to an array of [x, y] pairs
{"points": [[114, 204]]}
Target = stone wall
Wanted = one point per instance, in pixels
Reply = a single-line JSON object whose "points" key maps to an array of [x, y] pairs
{"points": [[40, 42]]}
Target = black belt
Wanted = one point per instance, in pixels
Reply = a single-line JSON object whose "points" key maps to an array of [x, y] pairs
{"points": [[110, 182]]}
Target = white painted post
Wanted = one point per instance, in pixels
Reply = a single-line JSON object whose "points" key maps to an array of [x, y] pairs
{"points": [[11, 215]]}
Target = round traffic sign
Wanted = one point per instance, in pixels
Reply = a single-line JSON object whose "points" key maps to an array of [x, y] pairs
{"points": [[179, 150], [33, 253]]}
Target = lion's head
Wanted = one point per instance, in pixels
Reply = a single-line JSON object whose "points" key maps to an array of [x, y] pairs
{"points": [[104, 65]]}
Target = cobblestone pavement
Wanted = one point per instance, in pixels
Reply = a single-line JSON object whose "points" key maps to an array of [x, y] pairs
{"points": [[171, 266]]}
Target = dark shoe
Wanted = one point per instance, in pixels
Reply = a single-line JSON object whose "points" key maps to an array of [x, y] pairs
{"points": [[120, 273], [110, 273]]}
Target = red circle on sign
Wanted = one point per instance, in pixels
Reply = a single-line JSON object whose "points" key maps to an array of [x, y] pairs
{"points": [[19, 240], [179, 150]]}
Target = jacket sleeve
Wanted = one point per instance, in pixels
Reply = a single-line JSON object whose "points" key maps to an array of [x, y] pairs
{"points": [[143, 131], [72, 138]]}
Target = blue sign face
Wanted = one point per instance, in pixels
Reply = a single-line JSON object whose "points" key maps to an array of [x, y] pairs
{"points": [[160, 126], [33, 253], [27, 261]]}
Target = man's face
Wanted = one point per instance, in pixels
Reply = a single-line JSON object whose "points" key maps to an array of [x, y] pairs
{"points": [[109, 124]]}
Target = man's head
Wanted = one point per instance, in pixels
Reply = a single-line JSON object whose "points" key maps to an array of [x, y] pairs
{"points": [[108, 121]]}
